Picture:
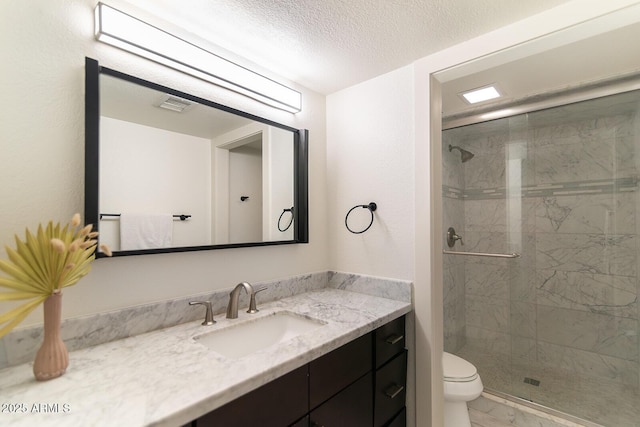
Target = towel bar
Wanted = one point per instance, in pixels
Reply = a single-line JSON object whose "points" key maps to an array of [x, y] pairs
{"points": [[181, 216], [513, 255]]}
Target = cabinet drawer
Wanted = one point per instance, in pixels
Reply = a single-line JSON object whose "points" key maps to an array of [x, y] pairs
{"points": [[352, 407], [256, 408], [334, 371], [389, 340], [390, 389]]}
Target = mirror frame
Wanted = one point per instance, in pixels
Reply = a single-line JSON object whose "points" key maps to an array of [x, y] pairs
{"points": [[93, 70]]}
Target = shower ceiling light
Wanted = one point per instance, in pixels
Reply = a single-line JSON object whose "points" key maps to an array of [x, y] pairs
{"points": [[126, 32], [481, 94]]}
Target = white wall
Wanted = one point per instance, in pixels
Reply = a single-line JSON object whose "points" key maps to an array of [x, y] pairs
{"points": [[370, 159], [44, 44], [141, 174]]}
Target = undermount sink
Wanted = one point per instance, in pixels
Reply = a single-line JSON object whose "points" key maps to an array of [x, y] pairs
{"points": [[242, 339]]}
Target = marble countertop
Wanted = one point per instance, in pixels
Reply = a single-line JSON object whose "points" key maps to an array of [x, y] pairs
{"points": [[166, 378]]}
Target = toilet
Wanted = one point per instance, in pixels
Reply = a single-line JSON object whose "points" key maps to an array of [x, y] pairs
{"points": [[462, 384]]}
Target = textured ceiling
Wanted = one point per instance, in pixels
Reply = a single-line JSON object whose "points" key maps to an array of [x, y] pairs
{"points": [[327, 45]]}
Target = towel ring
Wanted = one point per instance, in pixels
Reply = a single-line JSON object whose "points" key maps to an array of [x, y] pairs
{"points": [[290, 222], [371, 206]]}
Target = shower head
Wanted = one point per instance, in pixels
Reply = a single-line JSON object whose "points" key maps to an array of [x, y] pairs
{"points": [[465, 155]]}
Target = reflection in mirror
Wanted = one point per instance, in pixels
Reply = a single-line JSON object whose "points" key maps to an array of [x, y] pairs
{"points": [[177, 172]]}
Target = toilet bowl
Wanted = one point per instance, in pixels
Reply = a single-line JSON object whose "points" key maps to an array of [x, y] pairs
{"points": [[461, 385]]}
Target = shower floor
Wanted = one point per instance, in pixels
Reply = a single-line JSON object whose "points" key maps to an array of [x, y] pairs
{"points": [[607, 404]]}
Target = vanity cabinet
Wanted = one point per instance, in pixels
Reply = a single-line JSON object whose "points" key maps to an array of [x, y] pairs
{"points": [[280, 402], [361, 384]]}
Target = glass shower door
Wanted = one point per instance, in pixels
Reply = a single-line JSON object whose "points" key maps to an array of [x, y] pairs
{"points": [[558, 325]]}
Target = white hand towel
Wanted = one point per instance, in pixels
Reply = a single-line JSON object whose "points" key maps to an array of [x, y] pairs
{"points": [[145, 231]]}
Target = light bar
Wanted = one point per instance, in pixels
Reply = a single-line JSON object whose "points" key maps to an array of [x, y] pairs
{"points": [[126, 32], [482, 94]]}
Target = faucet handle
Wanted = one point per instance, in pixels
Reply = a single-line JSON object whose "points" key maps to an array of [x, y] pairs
{"points": [[452, 236], [208, 317], [252, 301], [457, 237]]}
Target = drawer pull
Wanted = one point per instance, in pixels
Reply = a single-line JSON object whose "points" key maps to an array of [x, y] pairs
{"points": [[394, 339], [394, 390]]}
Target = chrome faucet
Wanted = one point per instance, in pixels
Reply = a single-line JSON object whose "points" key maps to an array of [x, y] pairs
{"points": [[232, 308]]}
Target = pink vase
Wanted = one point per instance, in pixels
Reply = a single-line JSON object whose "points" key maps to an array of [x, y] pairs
{"points": [[52, 358]]}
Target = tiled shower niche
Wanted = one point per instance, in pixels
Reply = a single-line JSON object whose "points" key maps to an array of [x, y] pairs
{"points": [[559, 187]]}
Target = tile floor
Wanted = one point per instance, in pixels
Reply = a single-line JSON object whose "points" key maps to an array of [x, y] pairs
{"points": [[593, 400], [493, 411]]}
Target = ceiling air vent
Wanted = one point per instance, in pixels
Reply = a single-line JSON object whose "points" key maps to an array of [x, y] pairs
{"points": [[174, 104]]}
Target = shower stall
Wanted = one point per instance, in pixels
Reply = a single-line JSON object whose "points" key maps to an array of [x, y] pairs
{"points": [[558, 324]]}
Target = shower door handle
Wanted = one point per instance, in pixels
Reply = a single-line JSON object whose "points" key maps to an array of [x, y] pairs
{"points": [[513, 255]]}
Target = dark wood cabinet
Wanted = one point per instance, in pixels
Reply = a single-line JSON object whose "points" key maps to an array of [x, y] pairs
{"points": [[278, 403], [336, 370], [351, 407], [390, 374], [362, 383], [400, 420], [304, 422], [390, 389], [389, 341]]}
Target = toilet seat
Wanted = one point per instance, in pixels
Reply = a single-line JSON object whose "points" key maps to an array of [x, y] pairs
{"points": [[458, 370]]}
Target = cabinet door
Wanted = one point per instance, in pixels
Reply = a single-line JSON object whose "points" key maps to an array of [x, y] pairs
{"points": [[334, 371], [278, 403], [390, 389], [352, 407]]}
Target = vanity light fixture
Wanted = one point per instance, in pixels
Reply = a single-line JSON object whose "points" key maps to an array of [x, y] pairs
{"points": [[126, 32], [481, 94]]}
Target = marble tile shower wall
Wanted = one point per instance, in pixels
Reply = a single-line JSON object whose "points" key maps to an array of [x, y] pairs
{"points": [[454, 282], [453, 271], [564, 195]]}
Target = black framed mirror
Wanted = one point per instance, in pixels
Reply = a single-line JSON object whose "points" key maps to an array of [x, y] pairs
{"points": [[167, 171]]}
